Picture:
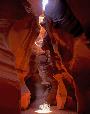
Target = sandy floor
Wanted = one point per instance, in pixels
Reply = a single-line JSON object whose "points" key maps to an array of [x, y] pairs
{"points": [[53, 109], [40, 93]]}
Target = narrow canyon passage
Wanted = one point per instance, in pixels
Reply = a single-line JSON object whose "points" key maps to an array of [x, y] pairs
{"points": [[44, 56], [41, 91]]}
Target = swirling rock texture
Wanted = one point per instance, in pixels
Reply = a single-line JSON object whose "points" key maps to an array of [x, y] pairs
{"points": [[18, 31], [75, 51], [20, 42], [9, 82]]}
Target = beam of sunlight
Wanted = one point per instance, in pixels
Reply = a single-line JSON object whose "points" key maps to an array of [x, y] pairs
{"points": [[44, 3]]}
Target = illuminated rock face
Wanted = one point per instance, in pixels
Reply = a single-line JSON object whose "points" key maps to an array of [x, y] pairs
{"points": [[25, 97], [78, 64], [15, 49], [20, 41]]}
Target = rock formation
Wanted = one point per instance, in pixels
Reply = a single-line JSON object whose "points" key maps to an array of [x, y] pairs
{"points": [[18, 30], [77, 46], [9, 82]]}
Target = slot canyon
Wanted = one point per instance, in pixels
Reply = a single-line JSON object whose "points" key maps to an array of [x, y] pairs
{"points": [[44, 56]]}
